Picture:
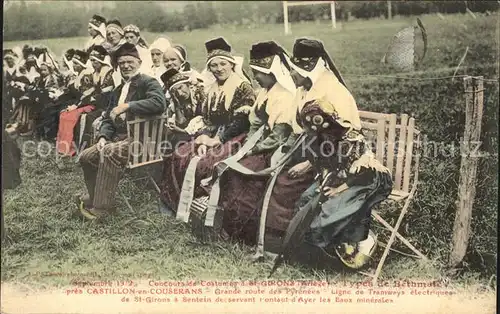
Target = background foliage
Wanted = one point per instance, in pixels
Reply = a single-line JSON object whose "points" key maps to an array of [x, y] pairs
{"points": [[54, 19]]}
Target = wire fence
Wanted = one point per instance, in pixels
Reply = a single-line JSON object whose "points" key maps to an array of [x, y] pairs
{"points": [[412, 75]]}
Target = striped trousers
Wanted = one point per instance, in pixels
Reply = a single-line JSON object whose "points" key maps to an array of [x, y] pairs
{"points": [[102, 171]]}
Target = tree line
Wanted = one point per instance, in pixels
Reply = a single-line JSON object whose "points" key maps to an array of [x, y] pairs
{"points": [[51, 20]]}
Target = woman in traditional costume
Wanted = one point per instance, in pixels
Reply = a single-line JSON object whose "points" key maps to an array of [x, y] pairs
{"points": [[316, 77], [349, 178], [97, 32], [97, 96], [75, 98], [175, 57], [225, 116], [132, 35], [186, 104], [10, 70], [157, 49], [114, 40], [48, 90], [270, 126], [68, 73], [38, 93]]}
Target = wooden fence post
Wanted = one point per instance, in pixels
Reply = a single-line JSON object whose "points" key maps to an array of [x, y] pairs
{"points": [[474, 94]]}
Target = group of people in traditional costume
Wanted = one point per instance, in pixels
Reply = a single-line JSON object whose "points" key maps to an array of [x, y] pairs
{"points": [[240, 147]]}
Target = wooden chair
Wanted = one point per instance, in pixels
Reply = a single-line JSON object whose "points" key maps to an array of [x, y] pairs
{"points": [[395, 141], [148, 136]]}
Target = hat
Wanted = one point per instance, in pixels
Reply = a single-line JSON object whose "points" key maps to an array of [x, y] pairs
{"points": [[81, 58], [97, 20], [218, 47], [173, 77], [9, 53], [116, 25], [131, 29], [99, 52], [161, 44], [180, 51], [262, 54], [127, 49], [69, 54], [306, 54], [27, 50], [321, 116]]}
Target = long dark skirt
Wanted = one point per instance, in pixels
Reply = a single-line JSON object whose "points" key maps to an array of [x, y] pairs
{"points": [[48, 121], [346, 217], [175, 165], [241, 198], [285, 195]]}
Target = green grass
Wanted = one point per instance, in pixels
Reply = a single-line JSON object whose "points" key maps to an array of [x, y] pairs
{"points": [[46, 236]]}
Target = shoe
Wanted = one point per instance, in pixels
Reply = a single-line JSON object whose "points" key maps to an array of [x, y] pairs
{"points": [[357, 255], [85, 198], [86, 212], [12, 130]]}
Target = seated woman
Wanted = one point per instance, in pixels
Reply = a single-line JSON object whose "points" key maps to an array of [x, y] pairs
{"points": [[97, 32], [185, 108], [157, 48], [225, 115], [47, 113], [37, 95], [352, 182], [175, 57], [102, 85], [316, 77], [132, 34], [114, 40], [271, 122], [67, 72], [75, 99]]}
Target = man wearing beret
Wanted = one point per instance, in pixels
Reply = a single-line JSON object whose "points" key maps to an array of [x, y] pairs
{"points": [[137, 95]]}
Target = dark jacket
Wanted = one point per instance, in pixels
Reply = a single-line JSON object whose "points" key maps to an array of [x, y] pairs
{"points": [[145, 98]]}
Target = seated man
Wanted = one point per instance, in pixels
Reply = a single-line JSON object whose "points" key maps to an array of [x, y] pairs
{"points": [[138, 94]]}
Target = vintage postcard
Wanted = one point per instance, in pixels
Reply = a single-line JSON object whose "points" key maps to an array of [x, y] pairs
{"points": [[250, 157]]}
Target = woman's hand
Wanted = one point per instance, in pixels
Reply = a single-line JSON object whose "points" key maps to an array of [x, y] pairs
{"points": [[299, 169], [72, 107], [331, 192]]}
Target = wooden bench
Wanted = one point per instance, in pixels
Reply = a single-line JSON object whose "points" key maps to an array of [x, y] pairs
{"points": [[148, 134], [395, 142]]}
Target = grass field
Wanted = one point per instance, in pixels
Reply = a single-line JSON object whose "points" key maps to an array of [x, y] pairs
{"points": [[47, 237]]}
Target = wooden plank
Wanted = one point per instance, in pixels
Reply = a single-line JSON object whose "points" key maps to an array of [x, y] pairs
{"points": [[144, 163], [137, 139], [144, 119], [297, 3], [152, 152], [161, 137], [398, 235], [409, 156], [373, 115], [380, 150], [401, 152], [145, 141], [474, 96], [391, 142], [393, 234]]}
